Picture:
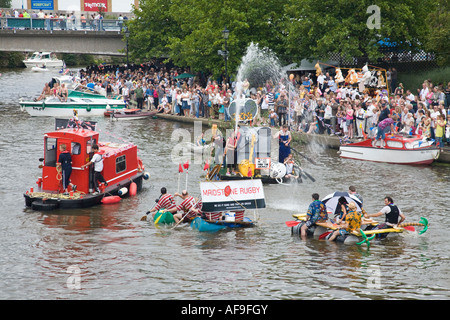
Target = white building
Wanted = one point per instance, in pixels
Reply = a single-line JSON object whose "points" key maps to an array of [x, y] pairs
{"points": [[111, 6]]}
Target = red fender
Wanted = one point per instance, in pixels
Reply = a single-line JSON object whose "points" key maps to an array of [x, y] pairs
{"points": [[133, 189], [111, 199]]}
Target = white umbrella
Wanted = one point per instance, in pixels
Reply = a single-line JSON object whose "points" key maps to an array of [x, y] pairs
{"points": [[332, 201]]}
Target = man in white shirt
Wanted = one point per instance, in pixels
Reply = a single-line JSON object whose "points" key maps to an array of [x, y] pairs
{"points": [[97, 160]]}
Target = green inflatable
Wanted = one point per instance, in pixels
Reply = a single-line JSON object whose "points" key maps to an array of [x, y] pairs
{"points": [[163, 217]]}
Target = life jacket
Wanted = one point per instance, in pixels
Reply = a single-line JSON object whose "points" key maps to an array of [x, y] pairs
{"points": [[392, 217]]}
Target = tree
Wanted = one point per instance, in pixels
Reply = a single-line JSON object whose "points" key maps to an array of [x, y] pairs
{"points": [[190, 32], [341, 26], [5, 3], [438, 33]]}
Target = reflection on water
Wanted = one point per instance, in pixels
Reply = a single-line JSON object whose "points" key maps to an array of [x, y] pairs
{"points": [[121, 257]]}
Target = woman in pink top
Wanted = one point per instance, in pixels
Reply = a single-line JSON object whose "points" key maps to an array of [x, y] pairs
{"points": [[349, 119]]}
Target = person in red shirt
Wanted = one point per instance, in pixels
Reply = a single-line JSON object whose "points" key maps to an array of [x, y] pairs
{"points": [[166, 201], [187, 209]]}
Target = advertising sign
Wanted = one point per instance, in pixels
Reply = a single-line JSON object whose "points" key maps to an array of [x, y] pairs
{"points": [[233, 195], [42, 5], [96, 5]]}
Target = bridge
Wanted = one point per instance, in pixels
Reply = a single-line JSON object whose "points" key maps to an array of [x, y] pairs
{"points": [[30, 35]]}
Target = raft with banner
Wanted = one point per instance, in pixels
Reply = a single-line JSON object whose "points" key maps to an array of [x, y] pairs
{"points": [[228, 201]]}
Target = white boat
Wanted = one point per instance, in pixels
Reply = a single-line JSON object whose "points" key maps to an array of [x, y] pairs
{"points": [[40, 59], [87, 105], [398, 149], [40, 69]]}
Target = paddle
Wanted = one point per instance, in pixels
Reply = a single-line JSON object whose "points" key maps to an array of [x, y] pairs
{"points": [[309, 176], [324, 235], [144, 218], [292, 223], [307, 158], [182, 218]]}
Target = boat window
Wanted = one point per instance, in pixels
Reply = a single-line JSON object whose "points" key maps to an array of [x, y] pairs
{"points": [[394, 144], [50, 152], [45, 56], [121, 164], [76, 148]]}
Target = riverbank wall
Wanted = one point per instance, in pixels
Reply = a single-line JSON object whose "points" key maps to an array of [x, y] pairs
{"points": [[331, 142]]}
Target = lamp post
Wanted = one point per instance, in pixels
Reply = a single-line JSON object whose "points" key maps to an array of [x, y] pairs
{"points": [[127, 35], [226, 34]]}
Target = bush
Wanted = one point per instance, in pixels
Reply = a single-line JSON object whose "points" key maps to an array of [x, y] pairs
{"points": [[414, 80]]}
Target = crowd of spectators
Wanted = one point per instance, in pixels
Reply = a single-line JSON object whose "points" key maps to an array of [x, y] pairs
{"points": [[310, 106]]}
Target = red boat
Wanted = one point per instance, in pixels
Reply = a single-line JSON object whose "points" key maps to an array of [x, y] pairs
{"points": [[123, 169]]}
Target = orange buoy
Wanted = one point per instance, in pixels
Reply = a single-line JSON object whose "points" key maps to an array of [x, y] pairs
{"points": [[111, 199], [133, 188]]}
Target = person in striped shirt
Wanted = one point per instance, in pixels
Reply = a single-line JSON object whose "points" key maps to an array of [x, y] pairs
{"points": [[187, 209], [166, 201]]}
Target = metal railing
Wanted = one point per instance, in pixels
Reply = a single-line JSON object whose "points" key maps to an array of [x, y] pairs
{"points": [[62, 23]]}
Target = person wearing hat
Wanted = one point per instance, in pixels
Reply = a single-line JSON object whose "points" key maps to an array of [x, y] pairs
{"points": [[351, 223]]}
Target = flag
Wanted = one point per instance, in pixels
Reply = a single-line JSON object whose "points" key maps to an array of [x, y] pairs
{"points": [[180, 168], [186, 165]]}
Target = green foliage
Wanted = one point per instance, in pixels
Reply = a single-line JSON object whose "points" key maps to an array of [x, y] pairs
{"points": [[438, 36], [414, 80], [318, 29], [5, 3], [189, 33]]}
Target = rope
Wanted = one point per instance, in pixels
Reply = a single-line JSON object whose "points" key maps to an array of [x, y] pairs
{"points": [[58, 173], [46, 195]]}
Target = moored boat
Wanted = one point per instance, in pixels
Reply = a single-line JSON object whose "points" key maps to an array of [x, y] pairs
{"points": [[128, 114], [40, 69], [123, 169], [86, 104], [39, 59], [397, 149]]}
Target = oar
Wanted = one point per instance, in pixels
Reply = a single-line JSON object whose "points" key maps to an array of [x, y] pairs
{"points": [[292, 223], [144, 218], [307, 158], [309, 176], [182, 218], [324, 235]]}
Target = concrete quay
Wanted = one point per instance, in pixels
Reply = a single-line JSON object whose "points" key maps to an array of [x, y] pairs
{"points": [[325, 140]]}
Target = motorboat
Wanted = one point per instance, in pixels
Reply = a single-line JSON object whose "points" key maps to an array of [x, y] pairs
{"points": [[123, 169], [43, 59], [85, 103], [40, 69], [128, 114], [396, 148]]}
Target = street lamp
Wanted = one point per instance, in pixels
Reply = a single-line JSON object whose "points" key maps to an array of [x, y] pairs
{"points": [[226, 34], [127, 35]]}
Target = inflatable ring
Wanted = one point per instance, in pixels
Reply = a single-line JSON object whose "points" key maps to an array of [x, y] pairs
{"points": [[366, 240]]}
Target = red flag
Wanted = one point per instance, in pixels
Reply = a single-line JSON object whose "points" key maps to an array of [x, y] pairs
{"points": [[180, 168], [206, 167], [186, 165]]}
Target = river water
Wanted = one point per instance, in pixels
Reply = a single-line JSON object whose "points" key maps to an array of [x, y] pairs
{"points": [[120, 257]]}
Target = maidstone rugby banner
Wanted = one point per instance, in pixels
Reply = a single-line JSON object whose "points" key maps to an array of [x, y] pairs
{"points": [[233, 195]]}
